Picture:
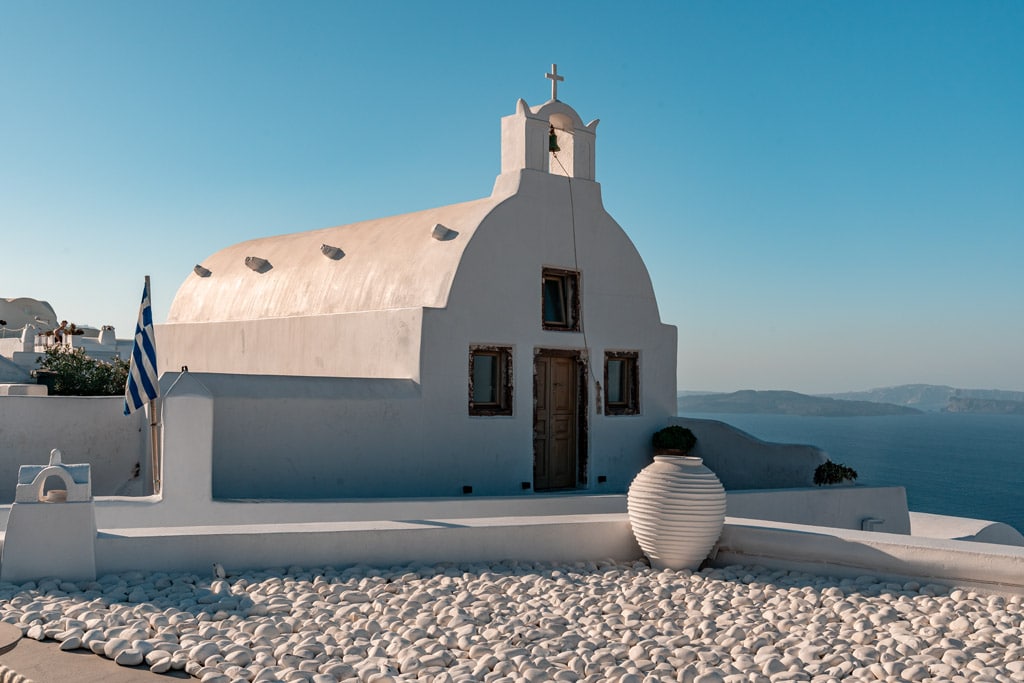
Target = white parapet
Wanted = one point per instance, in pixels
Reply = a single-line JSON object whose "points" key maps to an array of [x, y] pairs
{"points": [[23, 390], [565, 538], [964, 529], [849, 553]]}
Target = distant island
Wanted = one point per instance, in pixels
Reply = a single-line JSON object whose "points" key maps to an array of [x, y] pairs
{"points": [[970, 404], [943, 399], [906, 399], [786, 403]]}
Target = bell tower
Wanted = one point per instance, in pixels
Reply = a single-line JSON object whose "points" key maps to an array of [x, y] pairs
{"points": [[550, 137]]}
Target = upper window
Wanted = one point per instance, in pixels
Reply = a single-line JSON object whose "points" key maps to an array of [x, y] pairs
{"points": [[621, 383], [490, 380], [560, 297]]}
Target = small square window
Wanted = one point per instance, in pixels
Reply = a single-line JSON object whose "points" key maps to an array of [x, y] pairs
{"points": [[621, 383], [560, 300], [490, 380]]}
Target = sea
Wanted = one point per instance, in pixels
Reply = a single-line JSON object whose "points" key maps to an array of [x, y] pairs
{"points": [[959, 464]]}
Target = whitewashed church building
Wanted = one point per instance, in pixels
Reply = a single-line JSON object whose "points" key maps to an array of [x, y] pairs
{"points": [[410, 368], [506, 345]]}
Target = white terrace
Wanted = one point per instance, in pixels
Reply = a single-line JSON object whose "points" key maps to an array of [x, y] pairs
{"points": [[478, 381], [185, 528]]}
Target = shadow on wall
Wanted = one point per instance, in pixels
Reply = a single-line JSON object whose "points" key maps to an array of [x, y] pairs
{"points": [[88, 429], [742, 461]]}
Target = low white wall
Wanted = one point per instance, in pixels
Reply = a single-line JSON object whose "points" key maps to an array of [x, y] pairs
{"points": [[120, 348], [867, 508], [569, 528], [87, 429], [151, 511], [818, 550], [23, 390], [47, 538], [841, 508], [12, 372], [568, 538], [844, 553], [11, 345], [964, 529], [742, 461], [26, 360]]}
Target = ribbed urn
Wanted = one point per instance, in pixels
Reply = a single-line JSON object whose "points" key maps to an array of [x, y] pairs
{"points": [[676, 508]]}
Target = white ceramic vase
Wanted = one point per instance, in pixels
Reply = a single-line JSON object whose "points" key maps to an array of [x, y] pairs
{"points": [[677, 509]]}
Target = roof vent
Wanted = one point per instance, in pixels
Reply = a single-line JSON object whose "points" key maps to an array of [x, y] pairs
{"points": [[260, 265], [333, 253], [201, 272], [443, 234]]}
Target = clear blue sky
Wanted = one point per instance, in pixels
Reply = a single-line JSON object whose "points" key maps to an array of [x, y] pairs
{"points": [[829, 196]]}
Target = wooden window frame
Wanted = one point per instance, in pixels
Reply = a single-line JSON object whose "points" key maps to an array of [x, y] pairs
{"points": [[570, 295], [503, 405], [631, 378]]}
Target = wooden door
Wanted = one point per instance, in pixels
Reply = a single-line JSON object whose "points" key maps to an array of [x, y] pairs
{"points": [[555, 421]]}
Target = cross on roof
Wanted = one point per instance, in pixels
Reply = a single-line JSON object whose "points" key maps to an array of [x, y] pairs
{"points": [[555, 78]]}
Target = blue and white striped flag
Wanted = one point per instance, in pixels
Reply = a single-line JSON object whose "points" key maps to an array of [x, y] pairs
{"points": [[142, 383]]}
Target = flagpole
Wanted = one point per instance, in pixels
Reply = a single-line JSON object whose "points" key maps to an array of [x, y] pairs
{"points": [[143, 382], [154, 430], [154, 437]]}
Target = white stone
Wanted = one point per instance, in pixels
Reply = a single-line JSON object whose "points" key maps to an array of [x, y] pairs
{"points": [[160, 666], [215, 677], [138, 594], [114, 646], [203, 651], [129, 657], [71, 643], [709, 677]]}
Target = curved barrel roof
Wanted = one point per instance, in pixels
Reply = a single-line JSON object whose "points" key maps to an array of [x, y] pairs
{"points": [[387, 263]]}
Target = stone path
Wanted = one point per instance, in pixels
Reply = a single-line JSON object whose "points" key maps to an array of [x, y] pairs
{"points": [[597, 621]]}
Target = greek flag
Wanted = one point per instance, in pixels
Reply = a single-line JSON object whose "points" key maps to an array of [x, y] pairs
{"points": [[142, 383]]}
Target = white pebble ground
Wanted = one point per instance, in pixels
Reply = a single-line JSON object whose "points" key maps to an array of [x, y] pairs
{"points": [[513, 621]]}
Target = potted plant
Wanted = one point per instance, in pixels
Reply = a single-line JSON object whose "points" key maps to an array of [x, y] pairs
{"points": [[673, 440], [69, 372], [829, 473]]}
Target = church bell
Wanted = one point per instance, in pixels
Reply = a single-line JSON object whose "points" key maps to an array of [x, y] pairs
{"points": [[552, 140]]}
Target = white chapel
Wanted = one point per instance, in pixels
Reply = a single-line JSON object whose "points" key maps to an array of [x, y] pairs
{"points": [[506, 345]]}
